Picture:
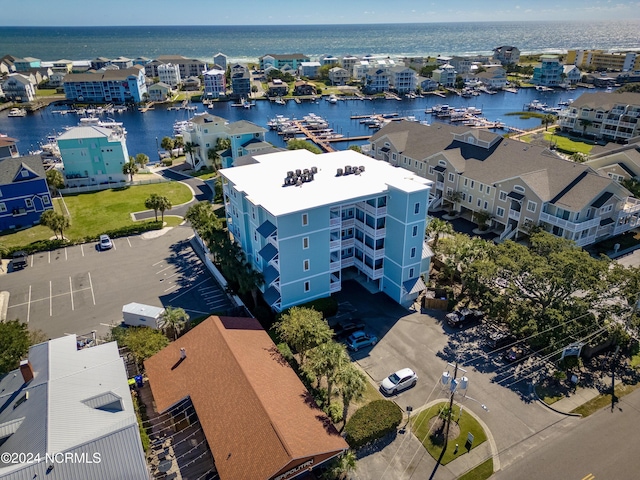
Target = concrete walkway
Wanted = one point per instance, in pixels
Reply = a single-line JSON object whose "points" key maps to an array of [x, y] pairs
{"points": [[577, 398]]}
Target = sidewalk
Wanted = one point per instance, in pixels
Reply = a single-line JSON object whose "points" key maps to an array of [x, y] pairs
{"points": [[577, 398]]}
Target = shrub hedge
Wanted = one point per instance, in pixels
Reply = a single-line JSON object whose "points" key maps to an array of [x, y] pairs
{"points": [[328, 306], [371, 422]]}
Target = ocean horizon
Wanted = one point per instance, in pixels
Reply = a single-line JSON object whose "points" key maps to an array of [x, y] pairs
{"points": [[247, 43]]}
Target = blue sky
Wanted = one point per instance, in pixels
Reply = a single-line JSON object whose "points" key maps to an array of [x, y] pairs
{"points": [[287, 12]]}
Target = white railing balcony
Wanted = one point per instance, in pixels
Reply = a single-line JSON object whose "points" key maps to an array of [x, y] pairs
{"points": [[275, 262], [610, 122], [334, 245], [348, 242], [567, 225], [569, 114], [440, 185], [624, 134], [276, 285], [347, 262], [588, 240], [377, 211], [631, 205], [335, 287], [514, 214], [627, 124], [349, 222], [335, 266], [617, 111], [335, 221]]}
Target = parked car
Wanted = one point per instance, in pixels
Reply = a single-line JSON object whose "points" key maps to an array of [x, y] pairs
{"points": [[360, 339], [498, 339], [398, 381], [19, 260], [105, 242], [461, 318], [343, 330], [513, 354]]}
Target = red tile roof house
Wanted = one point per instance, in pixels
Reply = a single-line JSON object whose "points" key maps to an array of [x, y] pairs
{"points": [[258, 418]]}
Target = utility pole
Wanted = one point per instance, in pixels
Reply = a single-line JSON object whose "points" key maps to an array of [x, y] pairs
{"points": [[453, 391]]}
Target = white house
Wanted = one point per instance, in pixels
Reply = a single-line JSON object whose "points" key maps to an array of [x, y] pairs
{"points": [[572, 74], [338, 76], [220, 59], [159, 92], [169, 74], [403, 79], [445, 75], [19, 88], [309, 69], [215, 83]]}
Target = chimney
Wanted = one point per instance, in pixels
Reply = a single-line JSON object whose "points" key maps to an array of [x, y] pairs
{"points": [[27, 370], [183, 353]]}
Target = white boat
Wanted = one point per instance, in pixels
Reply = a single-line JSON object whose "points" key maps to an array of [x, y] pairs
{"points": [[17, 112], [333, 99]]}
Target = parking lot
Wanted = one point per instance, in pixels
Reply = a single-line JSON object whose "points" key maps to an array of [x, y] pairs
{"points": [[78, 289], [424, 343]]}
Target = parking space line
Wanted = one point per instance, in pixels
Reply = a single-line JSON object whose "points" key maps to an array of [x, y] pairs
{"points": [[91, 285], [32, 259], [191, 288], [114, 245], [49, 256], [166, 268], [157, 263], [71, 291], [50, 300], [45, 298], [172, 275], [128, 242], [65, 254], [82, 248], [170, 288], [29, 305]]}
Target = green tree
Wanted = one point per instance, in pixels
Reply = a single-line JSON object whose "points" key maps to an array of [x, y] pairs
{"points": [[130, 168], [340, 467], [585, 123], [57, 222], [548, 119], [142, 342], [254, 89], [142, 160], [214, 158], [223, 143], [323, 72], [303, 329], [326, 361], [163, 204], [55, 180], [454, 198], [14, 345], [152, 203], [436, 228], [352, 384], [201, 215], [189, 148], [298, 144], [249, 280], [459, 85], [179, 142], [355, 148], [168, 144], [174, 321]]}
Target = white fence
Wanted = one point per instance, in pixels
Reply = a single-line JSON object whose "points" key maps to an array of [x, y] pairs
{"points": [[107, 186]]}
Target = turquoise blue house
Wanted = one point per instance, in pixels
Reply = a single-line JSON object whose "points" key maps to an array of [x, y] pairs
{"points": [[306, 221], [93, 155]]}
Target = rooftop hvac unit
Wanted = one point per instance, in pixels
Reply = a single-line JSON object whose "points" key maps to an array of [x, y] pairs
{"points": [[298, 182], [356, 171], [361, 167], [306, 171], [339, 172], [298, 172], [347, 169], [290, 173], [314, 169]]}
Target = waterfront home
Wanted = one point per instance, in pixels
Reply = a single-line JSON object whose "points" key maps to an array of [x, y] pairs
{"points": [[258, 419], [376, 80], [204, 132], [611, 117], [71, 403], [506, 55], [25, 64], [62, 66], [329, 60], [159, 92], [220, 59], [56, 79], [8, 148], [493, 78], [122, 62], [107, 86], [19, 88], [240, 81], [277, 88], [571, 74], [461, 64], [25, 193], [339, 76], [99, 63], [347, 62], [519, 185], [403, 79], [142, 61], [293, 60], [93, 155], [619, 163], [308, 69], [304, 221], [427, 84], [215, 83], [549, 72], [189, 67], [304, 88], [601, 60], [191, 84], [445, 75], [6, 65], [170, 74]]}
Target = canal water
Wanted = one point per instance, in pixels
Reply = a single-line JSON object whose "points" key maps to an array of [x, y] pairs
{"points": [[146, 130]]}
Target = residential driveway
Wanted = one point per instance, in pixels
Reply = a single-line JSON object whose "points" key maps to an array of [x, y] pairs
{"points": [[421, 342], [80, 288]]}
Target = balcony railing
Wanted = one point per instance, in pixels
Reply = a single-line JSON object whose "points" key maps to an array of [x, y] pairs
{"points": [[440, 185], [334, 221], [347, 262], [588, 240], [349, 222], [567, 225], [335, 287], [372, 232], [514, 214], [377, 211]]}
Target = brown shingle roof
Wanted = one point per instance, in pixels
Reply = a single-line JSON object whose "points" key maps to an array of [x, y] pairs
{"points": [[606, 101], [257, 416]]}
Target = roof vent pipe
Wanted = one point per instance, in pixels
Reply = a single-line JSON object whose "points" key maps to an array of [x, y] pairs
{"points": [[183, 353]]}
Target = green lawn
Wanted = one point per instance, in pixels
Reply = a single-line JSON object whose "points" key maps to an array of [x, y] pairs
{"points": [[97, 212], [481, 472], [46, 92], [567, 145], [468, 424], [602, 401]]}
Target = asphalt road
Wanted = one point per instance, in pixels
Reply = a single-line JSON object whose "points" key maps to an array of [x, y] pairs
{"points": [[600, 447], [80, 288]]}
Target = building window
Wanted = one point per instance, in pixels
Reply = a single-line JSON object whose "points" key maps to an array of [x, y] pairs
{"points": [[486, 205], [430, 170], [503, 196], [464, 195], [305, 219], [479, 202], [518, 188], [470, 198], [411, 272], [416, 208], [452, 177], [305, 265], [466, 181], [3, 207], [500, 212], [473, 183], [481, 187], [305, 242], [414, 233], [413, 252], [531, 206], [46, 200], [29, 203], [307, 286], [393, 156], [421, 165], [606, 209], [24, 173], [488, 189]]}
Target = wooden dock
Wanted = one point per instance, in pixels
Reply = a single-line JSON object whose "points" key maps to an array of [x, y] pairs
{"points": [[311, 135]]}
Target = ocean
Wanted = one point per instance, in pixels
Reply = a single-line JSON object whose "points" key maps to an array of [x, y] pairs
{"points": [[247, 43]]}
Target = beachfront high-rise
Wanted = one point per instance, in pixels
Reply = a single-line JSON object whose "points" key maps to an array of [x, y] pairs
{"points": [[309, 221]]}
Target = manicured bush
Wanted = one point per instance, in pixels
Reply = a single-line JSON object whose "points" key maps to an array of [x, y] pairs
{"points": [[328, 306], [167, 162], [38, 246], [371, 422]]}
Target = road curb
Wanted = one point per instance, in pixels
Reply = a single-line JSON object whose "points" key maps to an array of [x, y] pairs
{"points": [[535, 395], [4, 305]]}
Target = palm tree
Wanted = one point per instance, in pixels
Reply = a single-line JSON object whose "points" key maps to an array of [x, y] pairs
{"points": [[201, 215], [437, 228], [57, 222], [547, 120], [130, 168], [174, 320], [482, 217], [163, 204], [353, 384], [168, 144], [189, 148], [214, 157], [142, 160], [340, 467], [327, 360], [55, 180], [152, 203], [249, 280], [454, 198], [585, 123]]}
